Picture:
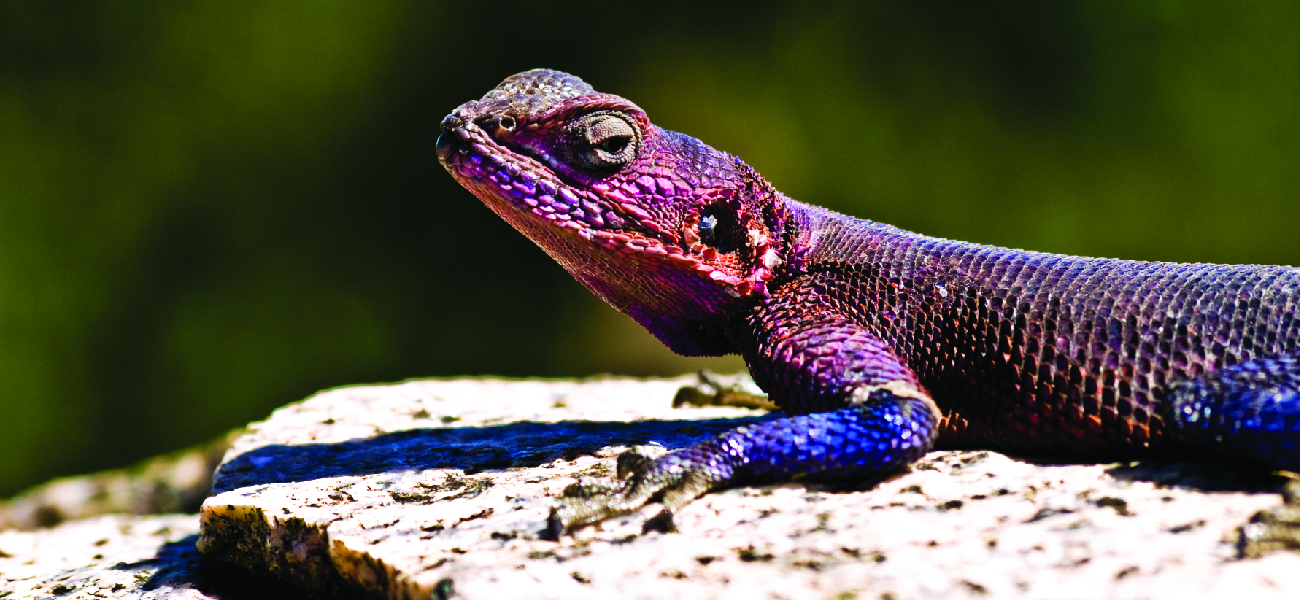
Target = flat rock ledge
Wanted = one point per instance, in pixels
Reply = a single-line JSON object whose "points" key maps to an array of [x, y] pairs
{"points": [[438, 489]]}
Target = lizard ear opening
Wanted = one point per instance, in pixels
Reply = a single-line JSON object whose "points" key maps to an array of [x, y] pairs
{"points": [[718, 228], [604, 142]]}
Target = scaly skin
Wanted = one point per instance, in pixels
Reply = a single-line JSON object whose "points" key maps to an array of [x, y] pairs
{"points": [[881, 343]]}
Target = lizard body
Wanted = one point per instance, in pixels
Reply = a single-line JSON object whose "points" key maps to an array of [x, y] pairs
{"points": [[880, 343]]}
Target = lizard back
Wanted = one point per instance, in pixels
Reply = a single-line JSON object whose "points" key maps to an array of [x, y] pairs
{"points": [[1038, 352]]}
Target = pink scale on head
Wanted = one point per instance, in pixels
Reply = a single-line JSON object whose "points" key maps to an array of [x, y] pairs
{"points": [[666, 187], [634, 208], [646, 183]]}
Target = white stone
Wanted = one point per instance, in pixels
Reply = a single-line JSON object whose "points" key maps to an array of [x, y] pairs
{"points": [[365, 489]]}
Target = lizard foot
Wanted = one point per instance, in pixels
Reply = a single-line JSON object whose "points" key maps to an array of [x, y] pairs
{"points": [[876, 437], [644, 472]]}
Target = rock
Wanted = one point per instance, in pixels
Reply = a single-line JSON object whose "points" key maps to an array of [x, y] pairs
{"points": [[177, 482], [103, 557], [441, 488]]}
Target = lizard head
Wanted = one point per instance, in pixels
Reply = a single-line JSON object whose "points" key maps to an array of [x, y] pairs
{"points": [[666, 229]]}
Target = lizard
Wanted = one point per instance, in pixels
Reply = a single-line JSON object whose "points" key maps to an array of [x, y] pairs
{"points": [[878, 344]]}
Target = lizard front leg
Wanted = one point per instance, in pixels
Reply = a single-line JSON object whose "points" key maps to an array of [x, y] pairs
{"points": [[859, 413]]}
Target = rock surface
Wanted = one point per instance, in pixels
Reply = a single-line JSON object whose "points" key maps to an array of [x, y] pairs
{"points": [[177, 482], [441, 488], [103, 557]]}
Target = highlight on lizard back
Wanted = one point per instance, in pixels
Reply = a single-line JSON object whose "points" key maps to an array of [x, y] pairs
{"points": [[879, 343]]}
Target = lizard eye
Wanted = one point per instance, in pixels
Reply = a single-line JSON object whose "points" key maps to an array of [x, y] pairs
{"points": [[505, 125], [604, 141], [499, 127]]}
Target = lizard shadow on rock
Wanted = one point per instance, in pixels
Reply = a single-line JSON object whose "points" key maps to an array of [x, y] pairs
{"points": [[472, 449], [528, 444]]}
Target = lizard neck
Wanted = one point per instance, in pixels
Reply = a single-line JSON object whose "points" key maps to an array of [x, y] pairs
{"points": [[817, 238]]}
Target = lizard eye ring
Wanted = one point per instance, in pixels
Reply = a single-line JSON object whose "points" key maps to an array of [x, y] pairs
{"points": [[604, 141], [498, 126], [506, 124]]}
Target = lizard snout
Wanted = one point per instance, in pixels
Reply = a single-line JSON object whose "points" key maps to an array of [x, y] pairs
{"points": [[448, 138], [446, 145]]}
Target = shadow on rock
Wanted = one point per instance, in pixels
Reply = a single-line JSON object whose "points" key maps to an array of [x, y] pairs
{"points": [[1206, 476], [1269, 530], [472, 449]]}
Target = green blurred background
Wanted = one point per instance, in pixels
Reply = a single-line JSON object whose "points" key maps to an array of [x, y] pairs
{"points": [[210, 208]]}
